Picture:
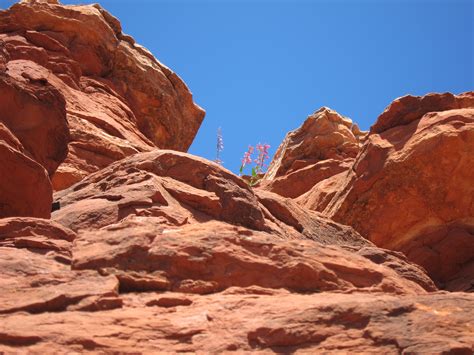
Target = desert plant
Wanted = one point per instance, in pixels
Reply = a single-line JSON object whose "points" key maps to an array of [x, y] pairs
{"points": [[219, 147], [259, 169]]}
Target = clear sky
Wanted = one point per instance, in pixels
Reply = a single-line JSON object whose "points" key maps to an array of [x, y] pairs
{"points": [[259, 68]]}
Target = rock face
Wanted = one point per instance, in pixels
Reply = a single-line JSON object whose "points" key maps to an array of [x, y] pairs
{"points": [[325, 145], [154, 250], [170, 221], [411, 187], [25, 189], [319, 196], [35, 112], [159, 256], [118, 98], [246, 320], [34, 256]]}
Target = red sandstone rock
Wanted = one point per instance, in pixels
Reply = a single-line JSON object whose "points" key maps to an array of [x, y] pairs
{"points": [[245, 322], [119, 99], [411, 188], [34, 111], [25, 189], [319, 196], [167, 221], [149, 220], [326, 144], [233, 256], [36, 276], [46, 306], [33, 137], [171, 253], [407, 109], [181, 189], [37, 235]]}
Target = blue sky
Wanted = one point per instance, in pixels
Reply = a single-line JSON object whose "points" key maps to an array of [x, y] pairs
{"points": [[259, 68]]}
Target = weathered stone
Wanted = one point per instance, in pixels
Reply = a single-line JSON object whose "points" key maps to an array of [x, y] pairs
{"points": [[34, 196], [36, 276], [118, 98], [411, 187], [326, 144], [35, 113], [281, 322]]}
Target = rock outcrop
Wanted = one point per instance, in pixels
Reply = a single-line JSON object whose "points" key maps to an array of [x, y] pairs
{"points": [[170, 221], [252, 320], [35, 112], [155, 250], [118, 98], [25, 188], [411, 186], [159, 256], [325, 145]]}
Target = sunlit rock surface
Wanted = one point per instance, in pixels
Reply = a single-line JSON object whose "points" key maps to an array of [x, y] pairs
{"points": [[157, 251], [119, 99]]}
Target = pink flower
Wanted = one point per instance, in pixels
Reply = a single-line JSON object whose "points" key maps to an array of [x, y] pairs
{"points": [[259, 162], [247, 159], [262, 155]]}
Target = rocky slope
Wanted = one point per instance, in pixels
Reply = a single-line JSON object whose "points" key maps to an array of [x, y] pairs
{"points": [[155, 250]]}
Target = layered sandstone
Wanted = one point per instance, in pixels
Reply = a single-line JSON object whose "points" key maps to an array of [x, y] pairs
{"points": [[325, 145], [155, 250], [411, 186], [164, 251], [252, 320], [118, 98], [163, 219]]}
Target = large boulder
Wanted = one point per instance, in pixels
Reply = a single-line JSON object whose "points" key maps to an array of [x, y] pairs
{"points": [[119, 99], [325, 145], [411, 187], [183, 189]]}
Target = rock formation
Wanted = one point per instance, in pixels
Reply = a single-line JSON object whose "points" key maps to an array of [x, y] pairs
{"points": [[118, 98], [155, 250], [410, 188], [25, 188], [325, 145]]}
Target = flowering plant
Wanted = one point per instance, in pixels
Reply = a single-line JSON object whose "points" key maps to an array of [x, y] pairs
{"points": [[259, 168], [219, 147]]}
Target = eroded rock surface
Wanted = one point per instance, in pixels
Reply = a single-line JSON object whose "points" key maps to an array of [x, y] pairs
{"points": [[411, 187], [35, 257], [253, 319], [160, 255], [119, 99], [181, 189], [325, 145], [159, 251], [166, 219], [35, 112], [25, 188]]}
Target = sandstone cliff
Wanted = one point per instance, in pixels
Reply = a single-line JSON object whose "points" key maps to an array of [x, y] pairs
{"points": [[409, 186], [118, 99], [155, 250]]}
